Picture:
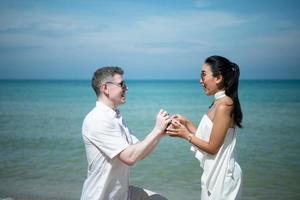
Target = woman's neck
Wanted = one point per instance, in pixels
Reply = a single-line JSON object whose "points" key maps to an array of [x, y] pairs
{"points": [[220, 94]]}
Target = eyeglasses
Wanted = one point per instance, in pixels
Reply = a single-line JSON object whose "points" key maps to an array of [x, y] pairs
{"points": [[122, 84], [203, 74]]}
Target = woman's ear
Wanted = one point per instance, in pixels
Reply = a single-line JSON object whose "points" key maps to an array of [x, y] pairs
{"points": [[219, 80]]}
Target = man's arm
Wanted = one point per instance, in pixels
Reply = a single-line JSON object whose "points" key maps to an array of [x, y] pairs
{"points": [[141, 149]]}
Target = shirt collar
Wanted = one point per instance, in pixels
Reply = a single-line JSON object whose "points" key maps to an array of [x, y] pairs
{"points": [[109, 110]]}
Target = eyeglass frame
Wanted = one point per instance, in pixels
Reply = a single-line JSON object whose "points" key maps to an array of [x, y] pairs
{"points": [[121, 85]]}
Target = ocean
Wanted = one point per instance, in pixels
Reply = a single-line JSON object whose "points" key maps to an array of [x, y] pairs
{"points": [[42, 154]]}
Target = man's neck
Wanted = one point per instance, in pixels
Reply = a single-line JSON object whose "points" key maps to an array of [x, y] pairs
{"points": [[107, 102]]}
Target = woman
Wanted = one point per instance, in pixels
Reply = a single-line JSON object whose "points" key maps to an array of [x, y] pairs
{"points": [[214, 140]]}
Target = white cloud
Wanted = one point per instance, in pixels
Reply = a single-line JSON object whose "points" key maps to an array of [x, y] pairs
{"points": [[182, 31], [194, 28], [170, 34], [41, 23]]}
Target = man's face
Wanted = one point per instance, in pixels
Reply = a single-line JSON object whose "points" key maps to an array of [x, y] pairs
{"points": [[116, 90]]}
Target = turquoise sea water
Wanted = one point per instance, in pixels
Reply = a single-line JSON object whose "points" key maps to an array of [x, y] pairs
{"points": [[42, 155]]}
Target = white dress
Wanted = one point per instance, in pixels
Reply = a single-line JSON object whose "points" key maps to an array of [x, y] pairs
{"points": [[222, 175]]}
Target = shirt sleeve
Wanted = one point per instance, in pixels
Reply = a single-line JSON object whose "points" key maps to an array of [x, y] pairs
{"points": [[134, 139], [107, 136]]}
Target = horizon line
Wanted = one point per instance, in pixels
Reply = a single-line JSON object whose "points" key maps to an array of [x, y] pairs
{"points": [[129, 79]]}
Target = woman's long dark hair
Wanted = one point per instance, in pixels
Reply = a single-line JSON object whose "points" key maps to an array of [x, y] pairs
{"points": [[230, 73]]}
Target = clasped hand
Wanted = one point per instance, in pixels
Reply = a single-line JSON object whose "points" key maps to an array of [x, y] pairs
{"points": [[174, 126], [177, 127]]}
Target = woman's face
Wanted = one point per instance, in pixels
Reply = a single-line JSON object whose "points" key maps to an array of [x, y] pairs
{"points": [[208, 81]]}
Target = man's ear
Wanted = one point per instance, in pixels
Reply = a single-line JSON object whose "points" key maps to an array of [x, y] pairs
{"points": [[103, 89]]}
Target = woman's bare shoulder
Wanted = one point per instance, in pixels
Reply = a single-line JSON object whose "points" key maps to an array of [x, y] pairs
{"points": [[225, 104]]}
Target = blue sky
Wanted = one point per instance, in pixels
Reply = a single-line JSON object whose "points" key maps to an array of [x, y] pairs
{"points": [[154, 39]]}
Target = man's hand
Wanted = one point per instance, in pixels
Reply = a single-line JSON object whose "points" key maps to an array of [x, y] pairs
{"points": [[162, 121]]}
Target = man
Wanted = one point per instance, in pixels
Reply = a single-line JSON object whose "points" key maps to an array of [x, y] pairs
{"points": [[110, 146]]}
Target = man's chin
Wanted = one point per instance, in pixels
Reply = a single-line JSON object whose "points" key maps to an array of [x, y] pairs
{"points": [[123, 101]]}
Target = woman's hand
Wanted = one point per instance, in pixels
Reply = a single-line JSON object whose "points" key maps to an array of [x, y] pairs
{"points": [[183, 120], [178, 129], [186, 122]]}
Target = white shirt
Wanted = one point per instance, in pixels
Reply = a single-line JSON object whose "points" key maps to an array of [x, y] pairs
{"points": [[105, 135]]}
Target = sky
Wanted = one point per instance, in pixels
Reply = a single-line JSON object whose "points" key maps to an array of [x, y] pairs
{"points": [[153, 39]]}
